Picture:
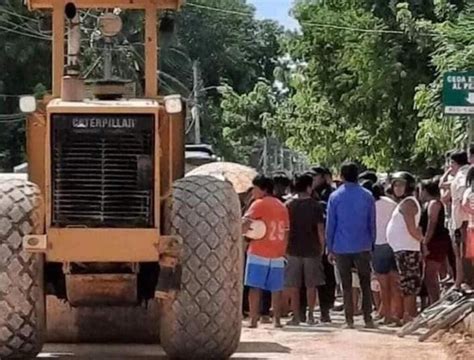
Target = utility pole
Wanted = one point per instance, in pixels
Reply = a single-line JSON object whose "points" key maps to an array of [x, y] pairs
{"points": [[275, 154], [292, 157], [195, 109], [282, 157], [265, 155]]}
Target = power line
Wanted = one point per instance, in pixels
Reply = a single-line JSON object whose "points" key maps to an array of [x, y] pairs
{"points": [[12, 121], [7, 30], [18, 15], [8, 116], [20, 27], [322, 25], [225, 11]]}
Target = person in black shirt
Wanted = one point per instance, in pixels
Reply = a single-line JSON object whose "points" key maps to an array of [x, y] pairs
{"points": [[305, 248], [327, 292]]}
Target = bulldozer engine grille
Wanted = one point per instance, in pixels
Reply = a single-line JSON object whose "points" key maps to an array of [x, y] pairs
{"points": [[102, 170]]}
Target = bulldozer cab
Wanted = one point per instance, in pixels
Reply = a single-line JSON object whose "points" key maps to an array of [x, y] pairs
{"points": [[109, 238]]}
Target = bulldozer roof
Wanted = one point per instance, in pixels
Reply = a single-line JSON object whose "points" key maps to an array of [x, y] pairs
{"points": [[124, 4]]}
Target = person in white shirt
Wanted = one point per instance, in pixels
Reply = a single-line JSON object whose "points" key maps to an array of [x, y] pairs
{"points": [[383, 259], [459, 217], [405, 237]]}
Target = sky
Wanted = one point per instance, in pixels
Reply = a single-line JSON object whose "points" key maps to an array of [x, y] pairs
{"points": [[276, 10]]}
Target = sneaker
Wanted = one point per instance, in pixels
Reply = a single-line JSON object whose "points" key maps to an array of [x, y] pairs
{"points": [[310, 318], [265, 320], [348, 325]]}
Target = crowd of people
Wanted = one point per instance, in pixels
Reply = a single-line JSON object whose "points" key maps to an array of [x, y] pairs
{"points": [[383, 243]]}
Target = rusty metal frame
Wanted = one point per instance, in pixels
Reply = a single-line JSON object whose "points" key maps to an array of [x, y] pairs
{"points": [[58, 45], [121, 245], [151, 39], [99, 245], [151, 52], [88, 244]]}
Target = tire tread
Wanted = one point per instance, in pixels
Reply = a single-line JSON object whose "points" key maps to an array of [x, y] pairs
{"points": [[205, 320], [21, 279]]}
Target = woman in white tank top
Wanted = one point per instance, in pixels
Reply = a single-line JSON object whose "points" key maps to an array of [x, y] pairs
{"points": [[405, 237], [399, 236]]}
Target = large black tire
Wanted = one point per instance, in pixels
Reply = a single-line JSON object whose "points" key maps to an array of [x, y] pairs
{"points": [[205, 321], [22, 302]]}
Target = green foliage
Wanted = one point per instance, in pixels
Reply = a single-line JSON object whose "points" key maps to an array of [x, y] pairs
{"points": [[232, 49], [25, 64], [364, 62], [245, 117], [361, 79], [454, 51]]}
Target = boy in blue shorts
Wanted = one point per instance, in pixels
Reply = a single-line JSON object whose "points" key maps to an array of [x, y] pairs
{"points": [[265, 257]]}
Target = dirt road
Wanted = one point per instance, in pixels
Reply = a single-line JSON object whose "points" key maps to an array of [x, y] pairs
{"points": [[328, 342]]}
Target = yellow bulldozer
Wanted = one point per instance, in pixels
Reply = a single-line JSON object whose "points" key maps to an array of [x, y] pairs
{"points": [[107, 240]]}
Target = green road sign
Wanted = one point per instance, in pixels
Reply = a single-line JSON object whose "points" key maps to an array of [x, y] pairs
{"points": [[458, 93]]}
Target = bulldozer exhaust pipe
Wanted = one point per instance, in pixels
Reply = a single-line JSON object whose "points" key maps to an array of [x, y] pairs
{"points": [[72, 83]]}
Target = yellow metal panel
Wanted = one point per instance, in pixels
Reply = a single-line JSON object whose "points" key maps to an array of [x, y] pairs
{"points": [[151, 52], [158, 174], [35, 147], [165, 155], [102, 245], [124, 4], [58, 45]]}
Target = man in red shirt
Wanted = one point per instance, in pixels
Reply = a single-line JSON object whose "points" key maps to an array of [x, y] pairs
{"points": [[265, 257]]}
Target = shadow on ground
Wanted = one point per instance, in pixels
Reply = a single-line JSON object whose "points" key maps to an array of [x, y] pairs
{"points": [[146, 352], [308, 329], [62, 356], [262, 347]]}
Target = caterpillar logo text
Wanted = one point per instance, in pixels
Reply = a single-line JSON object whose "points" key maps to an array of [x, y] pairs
{"points": [[103, 123]]}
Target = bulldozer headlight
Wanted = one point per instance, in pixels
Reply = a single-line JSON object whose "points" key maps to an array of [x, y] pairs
{"points": [[27, 104], [173, 104]]}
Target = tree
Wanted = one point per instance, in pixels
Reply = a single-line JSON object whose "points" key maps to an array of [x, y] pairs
{"points": [[355, 95], [454, 49], [232, 48], [22, 45], [245, 118]]}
